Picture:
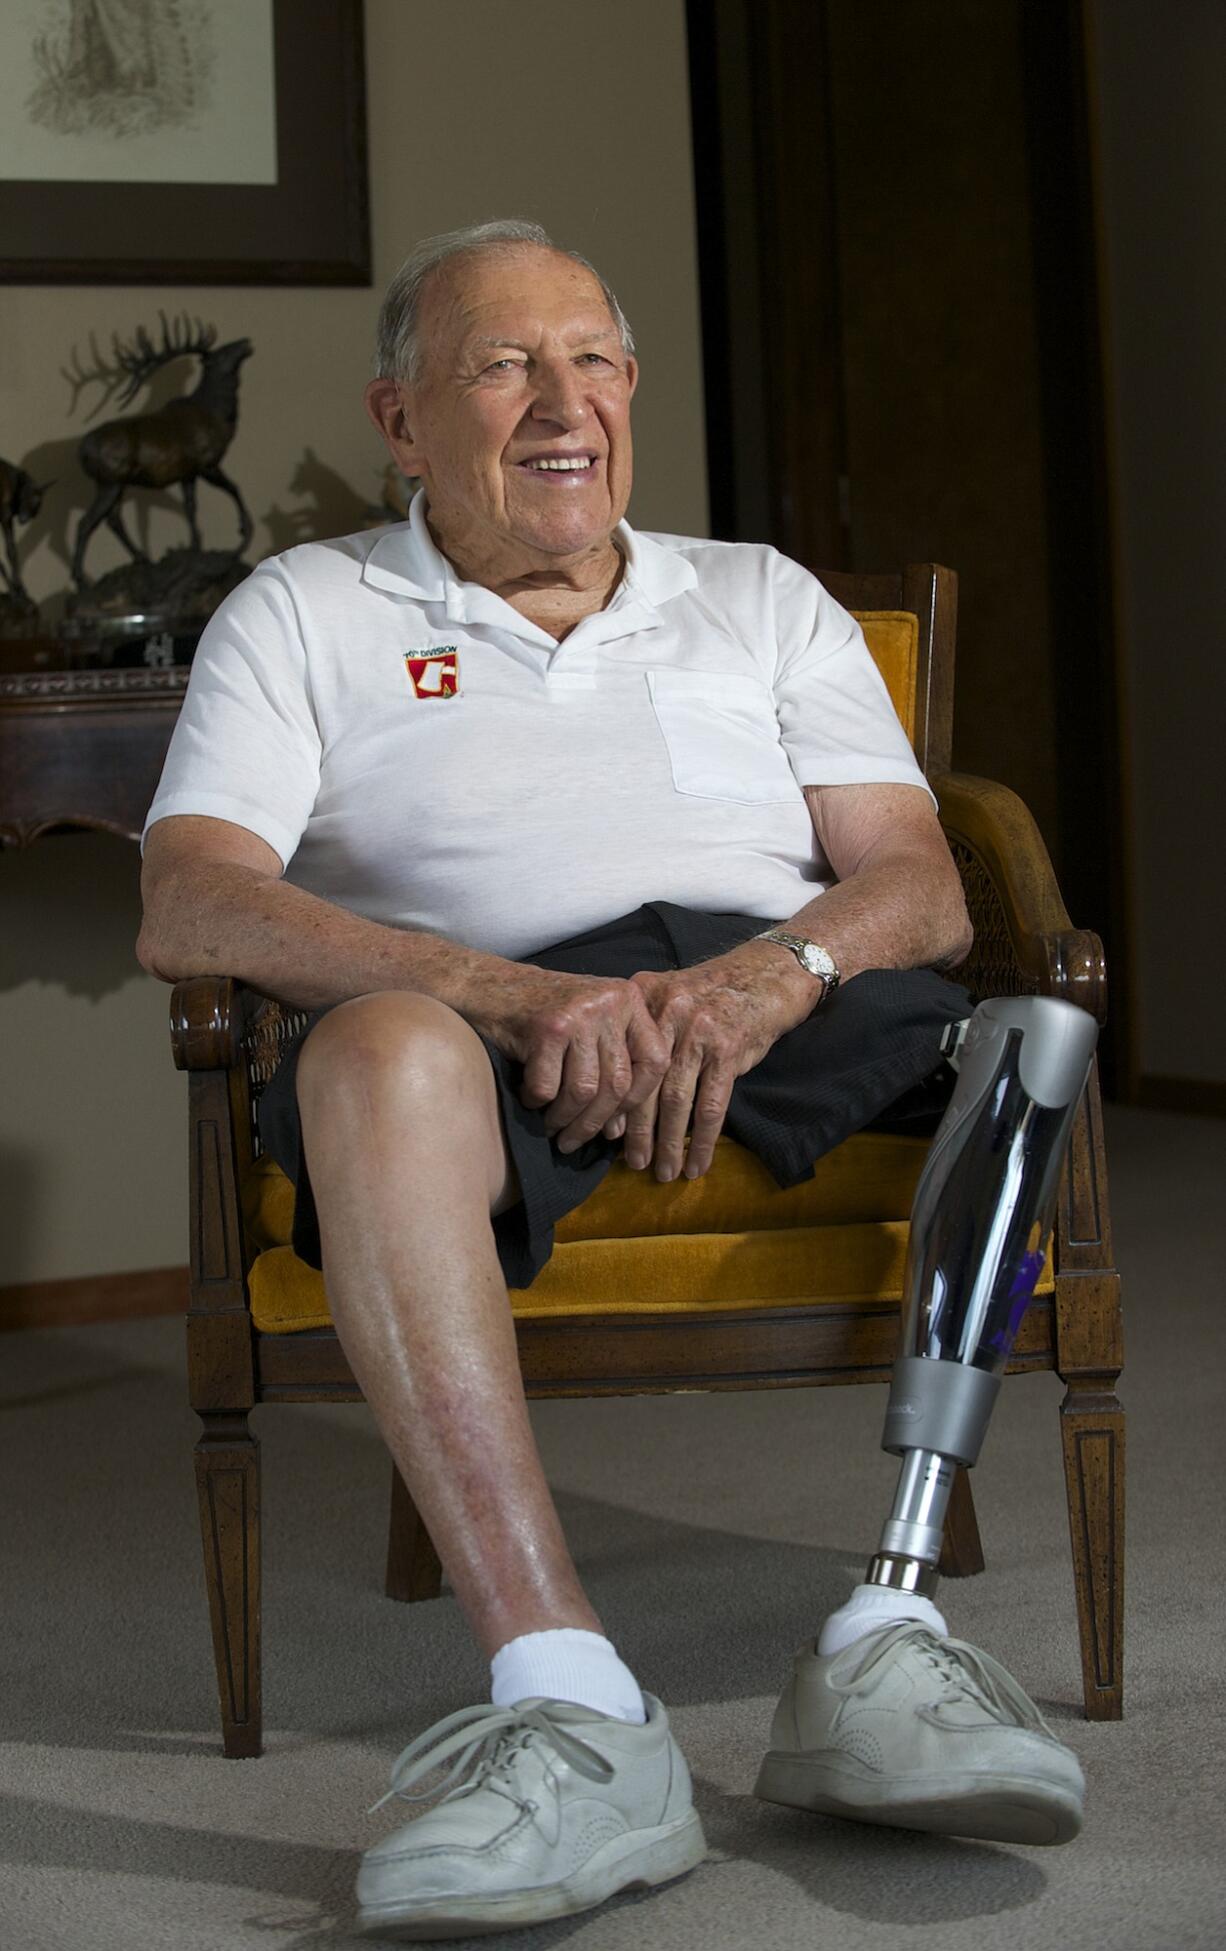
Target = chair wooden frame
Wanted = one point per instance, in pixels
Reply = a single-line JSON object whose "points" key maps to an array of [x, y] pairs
{"points": [[228, 1040]]}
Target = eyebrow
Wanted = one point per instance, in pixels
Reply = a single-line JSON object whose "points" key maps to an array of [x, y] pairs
{"points": [[487, 342]]}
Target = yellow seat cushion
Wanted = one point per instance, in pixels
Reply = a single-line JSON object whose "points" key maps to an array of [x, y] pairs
{"points": [[702, 1273], [871, 1176], [728, 1241], [745, 1241]]}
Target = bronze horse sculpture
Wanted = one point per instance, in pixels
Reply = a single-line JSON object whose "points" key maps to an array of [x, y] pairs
{"points": [[180, 443]]}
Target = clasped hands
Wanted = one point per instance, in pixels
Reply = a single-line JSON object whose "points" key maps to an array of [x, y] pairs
{"points": [[647, 1057]]}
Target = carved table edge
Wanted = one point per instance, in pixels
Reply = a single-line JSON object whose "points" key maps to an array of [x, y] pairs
{"points": [[65, 686]]}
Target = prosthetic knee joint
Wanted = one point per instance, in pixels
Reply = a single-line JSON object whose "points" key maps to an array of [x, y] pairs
{"points": [[979, 1229]]}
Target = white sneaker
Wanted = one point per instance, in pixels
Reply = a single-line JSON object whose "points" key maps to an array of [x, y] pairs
{"points": [[554, 1808], [910, 1728]]}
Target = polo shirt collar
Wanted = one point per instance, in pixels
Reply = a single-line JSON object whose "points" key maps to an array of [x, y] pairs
{"points": [[654, 572], [406, 560]]}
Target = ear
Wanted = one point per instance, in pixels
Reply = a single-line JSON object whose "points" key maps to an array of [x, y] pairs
{"points": [[388, 405], [632, 373]]}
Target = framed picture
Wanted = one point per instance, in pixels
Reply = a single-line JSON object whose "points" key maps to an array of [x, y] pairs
{"points": [[183, 142]]}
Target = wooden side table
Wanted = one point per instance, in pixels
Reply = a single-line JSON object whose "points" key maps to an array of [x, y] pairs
{"points": [[83, 748]]}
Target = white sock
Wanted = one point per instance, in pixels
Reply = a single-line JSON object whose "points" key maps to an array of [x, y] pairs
{"points": [[871, 1606], [566, 1664]]}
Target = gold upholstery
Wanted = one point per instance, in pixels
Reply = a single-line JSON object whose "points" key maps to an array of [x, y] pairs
{"points": [[731, 1239], [893, 638], [779, 1267], [870, 1177]]}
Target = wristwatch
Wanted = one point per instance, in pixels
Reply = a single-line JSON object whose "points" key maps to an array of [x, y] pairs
{"points": [[814, 960]]}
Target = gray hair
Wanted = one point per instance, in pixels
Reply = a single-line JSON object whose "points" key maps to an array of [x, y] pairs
{"points": [[397, 348]]}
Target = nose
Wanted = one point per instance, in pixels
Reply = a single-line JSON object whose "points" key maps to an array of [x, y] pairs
{"points": [[559, 394]]}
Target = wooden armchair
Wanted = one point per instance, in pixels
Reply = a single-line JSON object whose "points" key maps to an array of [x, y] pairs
{"points": [[772, 1290]]}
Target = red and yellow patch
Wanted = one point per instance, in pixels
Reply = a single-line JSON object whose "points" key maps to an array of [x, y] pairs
{"points": [[434, 673]]}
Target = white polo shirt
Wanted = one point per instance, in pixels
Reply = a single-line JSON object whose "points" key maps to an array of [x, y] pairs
{"points": [[417, 751]]}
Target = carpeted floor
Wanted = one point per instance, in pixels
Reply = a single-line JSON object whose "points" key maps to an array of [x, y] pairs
{"points": [[713, 1533]]}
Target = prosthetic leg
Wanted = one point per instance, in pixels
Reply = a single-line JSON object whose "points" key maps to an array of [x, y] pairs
{"points": [[886, 1718], [980, 1224]]}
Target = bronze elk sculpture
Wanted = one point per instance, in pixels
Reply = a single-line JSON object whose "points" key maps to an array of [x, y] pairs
{"points": [[20, 500], [182, 442]]}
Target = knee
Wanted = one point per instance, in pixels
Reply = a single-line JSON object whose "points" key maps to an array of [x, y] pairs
{"points": [[406, 1046]]}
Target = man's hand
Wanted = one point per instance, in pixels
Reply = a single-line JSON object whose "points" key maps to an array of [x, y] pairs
{"points": [[719, 1019], [588, 1044]]}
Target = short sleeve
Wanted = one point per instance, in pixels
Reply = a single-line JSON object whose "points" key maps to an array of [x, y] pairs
{"points": [[246, 747], [836, 719]]}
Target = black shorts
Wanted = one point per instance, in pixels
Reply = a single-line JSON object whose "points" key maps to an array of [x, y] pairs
{"points": [[871, 1055]]}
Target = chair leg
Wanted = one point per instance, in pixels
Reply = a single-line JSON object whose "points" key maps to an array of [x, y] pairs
{"points": [[413, 1568], [228, 1482], [1089, 1356], [961, 1549], [1092, 1429]]}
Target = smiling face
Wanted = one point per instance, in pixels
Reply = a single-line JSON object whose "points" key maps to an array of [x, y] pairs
{"points": [[519, 424]]}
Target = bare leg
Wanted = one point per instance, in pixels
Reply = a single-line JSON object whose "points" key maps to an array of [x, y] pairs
{"points": [[404, 1142]]}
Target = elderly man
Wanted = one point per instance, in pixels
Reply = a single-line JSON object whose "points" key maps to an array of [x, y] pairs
{"points": [[573, 842]]}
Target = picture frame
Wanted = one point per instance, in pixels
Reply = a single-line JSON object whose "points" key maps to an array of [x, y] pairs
{"points": [[311, 226]]}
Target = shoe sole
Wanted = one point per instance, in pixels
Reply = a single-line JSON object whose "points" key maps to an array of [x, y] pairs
{"points": [[988, 1808], [639, 1860]]}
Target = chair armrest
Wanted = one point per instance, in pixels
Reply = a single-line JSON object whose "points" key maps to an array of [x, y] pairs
{"points": [[218, 1023], [229, 1038], [1025, 943], [205, 1023]]}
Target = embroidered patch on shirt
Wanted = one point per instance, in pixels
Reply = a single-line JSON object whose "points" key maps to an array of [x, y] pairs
{"points": [[434, 673]]}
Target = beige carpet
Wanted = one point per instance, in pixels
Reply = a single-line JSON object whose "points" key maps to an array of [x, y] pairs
{"points": [[713, 1532]]}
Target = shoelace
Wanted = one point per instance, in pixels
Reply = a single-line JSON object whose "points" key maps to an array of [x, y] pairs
{"points": [[482, 1741], [968, 1673]]}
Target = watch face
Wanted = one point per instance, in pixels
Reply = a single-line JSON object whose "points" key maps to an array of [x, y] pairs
{"points": [[818, 961]]}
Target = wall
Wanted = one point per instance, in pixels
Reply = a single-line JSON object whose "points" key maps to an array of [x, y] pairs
{"points": [[476, 109], [1162, 161]]}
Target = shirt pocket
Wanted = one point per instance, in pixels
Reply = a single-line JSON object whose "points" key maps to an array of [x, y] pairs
{"points": [[722, 736]]}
